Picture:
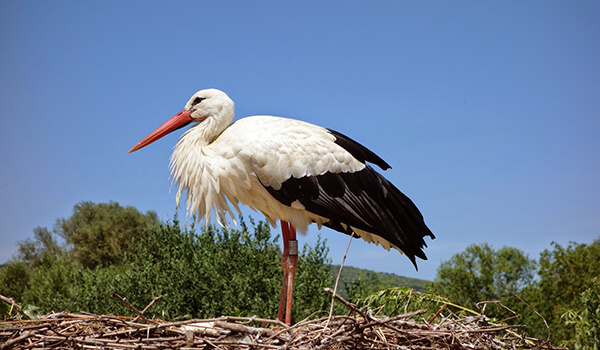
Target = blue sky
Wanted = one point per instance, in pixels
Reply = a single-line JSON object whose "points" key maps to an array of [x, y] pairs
{"points": [[488, 112]]}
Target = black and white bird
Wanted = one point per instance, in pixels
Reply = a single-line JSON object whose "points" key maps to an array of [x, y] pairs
{"points": [[289, 170]]}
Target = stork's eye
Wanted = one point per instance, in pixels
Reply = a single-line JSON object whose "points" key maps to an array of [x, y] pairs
{"points": [[197, 100]]}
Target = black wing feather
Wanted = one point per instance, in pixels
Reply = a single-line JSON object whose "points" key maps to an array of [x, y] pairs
{"points": [[363, 199], [379, 208], [358, 151]]}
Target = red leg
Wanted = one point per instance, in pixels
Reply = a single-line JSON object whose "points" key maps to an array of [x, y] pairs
{"points": [[289, 262], [285, 236], [293, 263]]}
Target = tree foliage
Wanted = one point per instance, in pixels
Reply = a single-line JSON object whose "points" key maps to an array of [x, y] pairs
{"points": [[585, 319], [208, 274], [470, 277], [214, 273], [14, 278], [566, 294], [565, 291], [97, 234], [43, 246]]}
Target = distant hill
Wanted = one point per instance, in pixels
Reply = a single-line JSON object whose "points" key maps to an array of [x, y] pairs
{"points": [[350, 273]]}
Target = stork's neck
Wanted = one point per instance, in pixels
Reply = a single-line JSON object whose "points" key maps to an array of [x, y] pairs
{"points": [[202, 134], [207, 131]]}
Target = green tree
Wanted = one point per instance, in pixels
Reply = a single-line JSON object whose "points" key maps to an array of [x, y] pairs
{"points": [[42, 246], [568, 282], [51, 283], [97, 234], [585, 318], [470, 277], [14, 278]]}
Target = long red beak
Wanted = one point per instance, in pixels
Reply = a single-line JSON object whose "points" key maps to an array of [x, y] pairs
{"points": [[179, 120]]}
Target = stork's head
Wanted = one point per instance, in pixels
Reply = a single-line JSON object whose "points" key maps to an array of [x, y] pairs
{"points": [[210, 105]]}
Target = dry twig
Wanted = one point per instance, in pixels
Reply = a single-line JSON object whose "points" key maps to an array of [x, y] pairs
{"points": [[140, 314]]}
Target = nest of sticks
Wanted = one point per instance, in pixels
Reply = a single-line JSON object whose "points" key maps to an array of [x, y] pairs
{"points": [[357, 330]]}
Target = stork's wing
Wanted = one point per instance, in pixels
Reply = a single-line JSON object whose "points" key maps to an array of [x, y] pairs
{"points": [[326, 172], [360, 200]]}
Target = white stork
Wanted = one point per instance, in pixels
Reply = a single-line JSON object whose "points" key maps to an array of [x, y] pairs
{"points": [[289, 170]]}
